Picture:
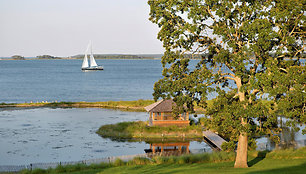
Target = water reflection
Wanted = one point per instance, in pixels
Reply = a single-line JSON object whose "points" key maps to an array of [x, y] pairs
{"points": [[288, 138], [168, 148]]}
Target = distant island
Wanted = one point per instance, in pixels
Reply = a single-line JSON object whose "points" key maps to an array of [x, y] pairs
{"points": [[81, 56], [102, 56], [47, 57], [121, 56], [18, 57]]}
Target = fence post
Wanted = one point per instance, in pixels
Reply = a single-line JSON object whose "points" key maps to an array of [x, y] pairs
{"points": [[31, 167]]}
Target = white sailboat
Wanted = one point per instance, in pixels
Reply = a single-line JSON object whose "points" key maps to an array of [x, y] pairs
{"points": [[93, 64]]}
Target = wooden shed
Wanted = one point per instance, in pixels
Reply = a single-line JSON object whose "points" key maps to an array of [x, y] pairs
{"points": [[161, 114]]}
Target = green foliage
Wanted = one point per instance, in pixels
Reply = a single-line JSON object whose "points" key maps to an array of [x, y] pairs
{"points": [[139, 161], [194, 158], [118, 162], [192, 122], [251, 51], [228, 146]]}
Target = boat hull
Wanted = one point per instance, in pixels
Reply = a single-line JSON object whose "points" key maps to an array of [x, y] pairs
{"points": [[98, 68]]}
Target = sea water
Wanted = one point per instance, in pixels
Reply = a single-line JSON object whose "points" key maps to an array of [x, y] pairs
{"points": [[62, 80]]}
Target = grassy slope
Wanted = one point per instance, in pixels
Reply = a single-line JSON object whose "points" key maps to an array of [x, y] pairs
{"points": [[294, 166], [264, 166], [283, 161]]}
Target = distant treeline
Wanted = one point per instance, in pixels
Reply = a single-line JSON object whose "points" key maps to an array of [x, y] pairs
{"points": [[47, 57], [129, 56], [121, 56]]}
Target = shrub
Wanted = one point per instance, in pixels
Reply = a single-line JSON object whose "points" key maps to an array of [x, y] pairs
{"points": [[139, 161], [158, 160], [118, 162]]}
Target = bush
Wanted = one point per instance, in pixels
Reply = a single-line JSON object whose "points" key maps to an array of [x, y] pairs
{"points": [[139, 161], [118, 162], [158, 160]]}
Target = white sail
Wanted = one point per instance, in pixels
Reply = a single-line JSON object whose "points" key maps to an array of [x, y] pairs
{"points": [[85, 61], [92, 62], [92, 59]]}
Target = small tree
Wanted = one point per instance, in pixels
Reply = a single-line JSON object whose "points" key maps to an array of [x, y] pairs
{"points": [[254, 62], [18, 57]]}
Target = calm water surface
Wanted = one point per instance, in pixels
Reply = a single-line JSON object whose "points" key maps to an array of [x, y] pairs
{"points": [[54, 135], [62, 80]]}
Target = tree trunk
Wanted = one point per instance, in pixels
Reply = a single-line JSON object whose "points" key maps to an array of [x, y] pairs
{"points": [[242, 152], [242, 149]]}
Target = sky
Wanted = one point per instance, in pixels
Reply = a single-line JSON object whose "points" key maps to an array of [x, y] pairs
{"points": [[64, 27]]}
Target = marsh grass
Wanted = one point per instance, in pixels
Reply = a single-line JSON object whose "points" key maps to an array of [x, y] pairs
{"points": [[69, 168], [141, 129], [137, 105]]}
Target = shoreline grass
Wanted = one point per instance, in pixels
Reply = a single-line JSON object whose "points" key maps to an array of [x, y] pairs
{"points": [[141, 130], [137, 105]]}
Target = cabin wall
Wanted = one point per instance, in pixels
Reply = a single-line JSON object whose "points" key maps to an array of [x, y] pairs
{"points": [[170, 122], [167, 119], [168, 116]]}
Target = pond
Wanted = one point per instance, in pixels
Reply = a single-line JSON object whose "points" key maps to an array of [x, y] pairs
{"points": [[44, 135]]}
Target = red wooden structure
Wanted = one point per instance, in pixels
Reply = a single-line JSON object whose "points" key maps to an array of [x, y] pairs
{"points": [[161, 114]]}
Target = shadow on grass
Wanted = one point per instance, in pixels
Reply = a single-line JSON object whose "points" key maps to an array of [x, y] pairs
{"points": [[292, 169], [260, 156]]}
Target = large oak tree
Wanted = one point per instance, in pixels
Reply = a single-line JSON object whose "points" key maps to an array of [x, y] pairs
{"points": [[252, 60]]}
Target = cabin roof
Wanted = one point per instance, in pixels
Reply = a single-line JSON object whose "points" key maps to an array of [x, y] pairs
{"points": [[161, 106]]}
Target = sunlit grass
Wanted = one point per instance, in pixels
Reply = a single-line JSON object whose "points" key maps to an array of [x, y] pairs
{"points": [[141, 129], [137, 105], [280, 161]]}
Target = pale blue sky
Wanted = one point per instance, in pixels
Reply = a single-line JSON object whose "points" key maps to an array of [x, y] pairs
{"points": [[64, 27]]}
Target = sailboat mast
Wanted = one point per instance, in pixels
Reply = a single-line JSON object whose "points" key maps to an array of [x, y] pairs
{"points": [[90, 47], [92, 59]]}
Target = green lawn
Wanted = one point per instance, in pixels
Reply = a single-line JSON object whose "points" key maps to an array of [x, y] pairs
{"points": [[279, 161], [293, 166], [264, 166]]}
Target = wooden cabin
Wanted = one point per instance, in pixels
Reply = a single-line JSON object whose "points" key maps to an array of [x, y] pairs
{"points": [[161, 114]]}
